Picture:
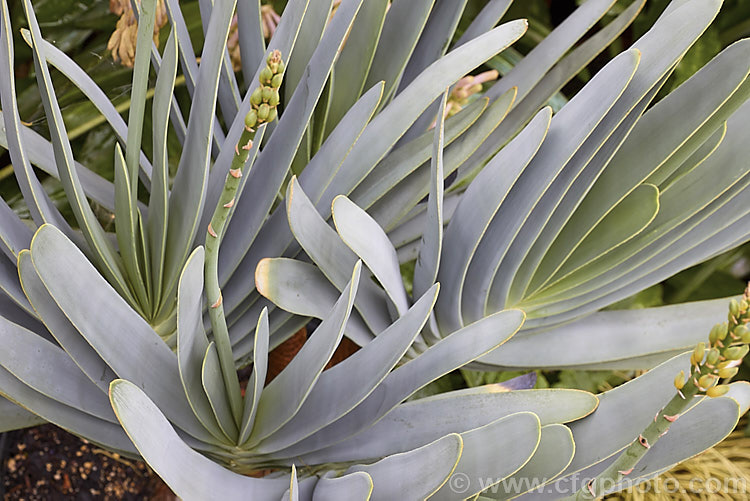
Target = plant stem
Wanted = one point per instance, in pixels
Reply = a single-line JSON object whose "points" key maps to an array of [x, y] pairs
{"points": [[245, 156], [626, 462]]}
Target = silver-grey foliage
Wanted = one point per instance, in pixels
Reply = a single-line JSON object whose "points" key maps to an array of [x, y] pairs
{"points": [[546, 219]]}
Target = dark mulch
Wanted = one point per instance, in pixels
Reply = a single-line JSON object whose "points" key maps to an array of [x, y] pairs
{"points": [[47, 463]]}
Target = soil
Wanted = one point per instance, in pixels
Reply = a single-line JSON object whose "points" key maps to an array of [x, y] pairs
{"points": [[48, 463]]}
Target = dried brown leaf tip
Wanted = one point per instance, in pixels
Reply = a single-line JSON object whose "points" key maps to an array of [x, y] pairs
{"points": [[123, 39]]}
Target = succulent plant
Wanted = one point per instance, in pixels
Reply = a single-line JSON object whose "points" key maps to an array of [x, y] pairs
{"points": [[531, 223]]}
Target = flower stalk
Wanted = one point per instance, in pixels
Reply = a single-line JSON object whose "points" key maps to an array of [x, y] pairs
{"points": [[264, 101], [709, 363]]}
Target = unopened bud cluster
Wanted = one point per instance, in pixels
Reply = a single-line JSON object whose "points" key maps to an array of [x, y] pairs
{"points": [[720, 358], [265, 98]]}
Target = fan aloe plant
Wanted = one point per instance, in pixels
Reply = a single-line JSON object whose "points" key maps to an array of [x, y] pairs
{"points": [[532, 222]]}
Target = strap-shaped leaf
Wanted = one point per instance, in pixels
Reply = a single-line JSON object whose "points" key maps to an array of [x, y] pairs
{"points": [[327, 250], [158, 204], [626, 220], [551, 83], [570, 188], [554, 453], [146, 18], [547, 52], [11, 287], [71, 419], [275, 235], [192, 342], [41, 207], [629, 408], [310, 34], [145, 358], [655, 60], [428, 261], [611, 338], [213, 385], [402, 28], [283, 396], [641, 154], [14, 234], [706, 424], [15, 417], [258, 377], [127, 227], [40, 153], [353, 65], [517, 435], [391, 207], [420, 421], [229, 92], [568, 130], [78, 76], [403, 160], [389, 125], [60, 326], [97, 241], [302, 289], [476, 210], [344, 386], [368, 241], [188, 194], [188, 473], [356, 485], [54, 374], [664, 179], [394, 477], [488, 17], [446, 355], [435, 37], [189, 65], [682, 225], [250, 36], [265, 180], [410, 229]]}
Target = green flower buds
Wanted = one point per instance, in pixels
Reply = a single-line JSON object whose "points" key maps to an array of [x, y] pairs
{"points": [[267, 93], [740, 331], [734, 308], [717, 391], [265, 76], [263, 111], [707, 380], [728, 372], [251, 119], [274, 99], [276, 81], [271, 115], [713, 356], [679, 380], [256, 97], [697, 356], [718, 333], [736, 352]]}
